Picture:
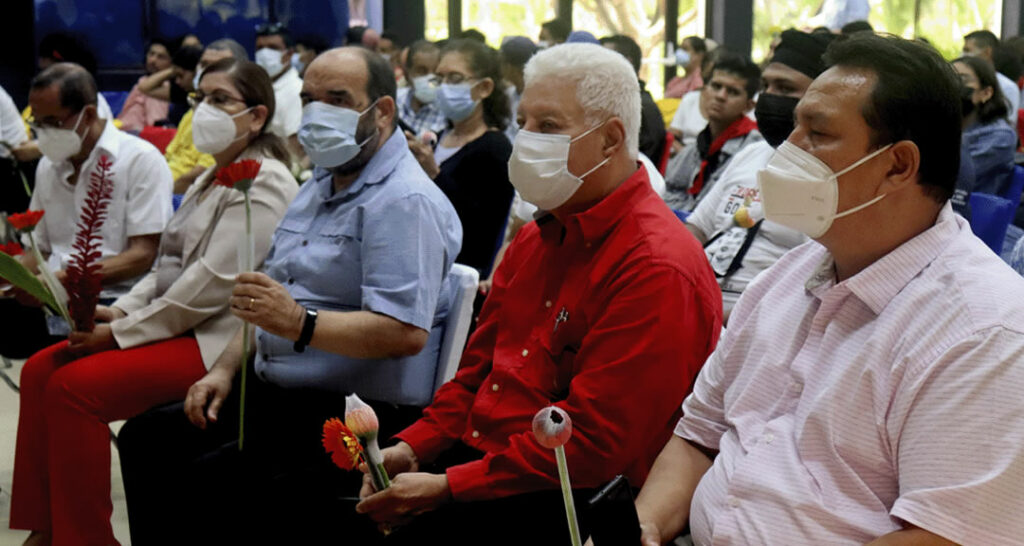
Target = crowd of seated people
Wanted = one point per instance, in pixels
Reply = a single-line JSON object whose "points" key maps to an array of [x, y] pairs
{"points": [[774, 319]]}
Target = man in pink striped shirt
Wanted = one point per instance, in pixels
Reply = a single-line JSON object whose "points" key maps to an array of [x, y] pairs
{"points": [[868, 389]]}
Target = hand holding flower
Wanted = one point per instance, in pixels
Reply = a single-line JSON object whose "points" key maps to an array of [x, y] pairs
{"points": [[100, 339], [409, 495], [397, 459], [264, 302]]}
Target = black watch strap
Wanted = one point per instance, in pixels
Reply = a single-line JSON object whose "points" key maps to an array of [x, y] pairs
{"points": [[308, 326]]}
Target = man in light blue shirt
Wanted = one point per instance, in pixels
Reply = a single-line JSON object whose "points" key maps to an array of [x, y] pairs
{"points": [[353, 300]]}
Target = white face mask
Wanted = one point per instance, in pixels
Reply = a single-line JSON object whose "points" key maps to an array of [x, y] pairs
{"points": [[270, 60], [59, 144], [542, 44], [423, 89], [539, 168], [801, 192], [213, 129]]}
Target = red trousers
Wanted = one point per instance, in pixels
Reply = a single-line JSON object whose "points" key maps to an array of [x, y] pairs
{"points": [[62, 459]]}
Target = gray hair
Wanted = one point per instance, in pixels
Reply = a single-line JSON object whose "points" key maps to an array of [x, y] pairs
{"points": [[227, 44], [606, 85], [77, 86]]}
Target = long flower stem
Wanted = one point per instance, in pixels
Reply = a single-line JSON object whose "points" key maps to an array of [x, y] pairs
{"points": [[570, 506], [375, 461], [248, 265]]}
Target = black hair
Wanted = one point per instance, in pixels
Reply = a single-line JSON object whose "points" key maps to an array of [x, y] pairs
{"points": [[697, 44], [984, 38], [187, 57], [393, 36], [314, 42], [625, 46], [168, 45], [77, 87], [483, 61], [67, 48], [473, 34], [420, 46], [742, 67], [1007, 62], [916, 97], [995, 108], [354, 35], [559, 29], [856, 26], [821, 30], [380, 78], [275, 29]]}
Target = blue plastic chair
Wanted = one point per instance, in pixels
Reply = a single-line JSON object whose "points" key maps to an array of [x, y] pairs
{"points": [[116, 100], [990, 216], [1013, 193]]}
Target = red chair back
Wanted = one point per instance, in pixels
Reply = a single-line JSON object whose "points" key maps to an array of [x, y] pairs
{"points": [[666, 153], [158, 136]]}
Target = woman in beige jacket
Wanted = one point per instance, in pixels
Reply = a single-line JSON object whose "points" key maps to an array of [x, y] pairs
{"points": [[153, 343]]}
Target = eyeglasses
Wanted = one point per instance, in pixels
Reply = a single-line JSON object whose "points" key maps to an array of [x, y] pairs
{"points": [[452, 78], [35, 124], [218, 99], [265, 29]]}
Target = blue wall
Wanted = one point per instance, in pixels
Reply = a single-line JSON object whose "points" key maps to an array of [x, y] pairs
{"points": [[117, 30]]}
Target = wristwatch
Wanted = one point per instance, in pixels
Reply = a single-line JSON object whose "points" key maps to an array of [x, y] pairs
{"points": [[308, 326]]}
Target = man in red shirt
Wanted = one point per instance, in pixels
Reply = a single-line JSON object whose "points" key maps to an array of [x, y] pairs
{"points": [[605, 306]]}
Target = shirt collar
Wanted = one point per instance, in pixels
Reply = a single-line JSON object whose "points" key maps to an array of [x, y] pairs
{"points": [[595, 222], [381, 165], [881, 281]]}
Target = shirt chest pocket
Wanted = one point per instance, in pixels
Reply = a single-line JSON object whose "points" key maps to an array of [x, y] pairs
{"points": [[559, 339]]}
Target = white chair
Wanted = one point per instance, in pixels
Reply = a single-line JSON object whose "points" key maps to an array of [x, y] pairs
{"points": [[465, 281]]}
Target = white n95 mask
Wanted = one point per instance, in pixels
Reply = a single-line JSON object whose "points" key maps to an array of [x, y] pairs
{"points": [[801, 192], [539, 168], [59, 144], [213, 129]]}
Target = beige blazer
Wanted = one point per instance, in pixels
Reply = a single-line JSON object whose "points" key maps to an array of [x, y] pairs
{"points": [[198, 299]]}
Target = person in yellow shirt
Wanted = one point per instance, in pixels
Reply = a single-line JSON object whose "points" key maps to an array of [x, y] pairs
{"points": [[185, 161]]}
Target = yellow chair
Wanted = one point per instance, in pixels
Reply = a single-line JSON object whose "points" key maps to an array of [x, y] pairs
{"points": [[668, 109]]}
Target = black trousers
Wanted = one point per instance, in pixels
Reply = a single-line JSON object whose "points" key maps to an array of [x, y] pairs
{"points": [[184, 485], [25, 330]]}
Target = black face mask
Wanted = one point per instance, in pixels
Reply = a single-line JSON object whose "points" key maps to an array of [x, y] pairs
{"points": [[967, 100], [775, 117]]}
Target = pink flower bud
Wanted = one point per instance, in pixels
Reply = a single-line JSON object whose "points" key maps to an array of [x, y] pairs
{"points": [[552, 427], [360, 418]]}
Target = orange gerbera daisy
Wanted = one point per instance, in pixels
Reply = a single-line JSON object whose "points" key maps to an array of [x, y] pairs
{"points": [[342, 444]]}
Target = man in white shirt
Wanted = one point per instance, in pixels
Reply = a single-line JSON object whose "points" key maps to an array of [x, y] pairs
{"points": [[73, 139], [12, 130], [274, 53], [729, 221], [982, 43], [867, 390]]}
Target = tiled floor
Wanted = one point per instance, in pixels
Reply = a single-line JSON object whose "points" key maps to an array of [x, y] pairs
{"points": [[8, 430]]}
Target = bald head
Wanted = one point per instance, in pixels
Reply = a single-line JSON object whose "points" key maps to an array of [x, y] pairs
{"points": [[352, 75], [74, 86]]}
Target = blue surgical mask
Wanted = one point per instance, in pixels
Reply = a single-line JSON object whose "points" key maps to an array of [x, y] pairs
{"points": [[682, 57], [195, 79], [328, 133], [456, 101], [423, 89], [297, 63]]}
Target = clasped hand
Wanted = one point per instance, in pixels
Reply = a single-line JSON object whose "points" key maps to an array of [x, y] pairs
{"points": [[411, 492]]}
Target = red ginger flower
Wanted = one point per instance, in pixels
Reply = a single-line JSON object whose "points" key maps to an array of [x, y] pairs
{"points": [[239, 175], [342, 444], [12, 248], [84, 280], [26, 221]]}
